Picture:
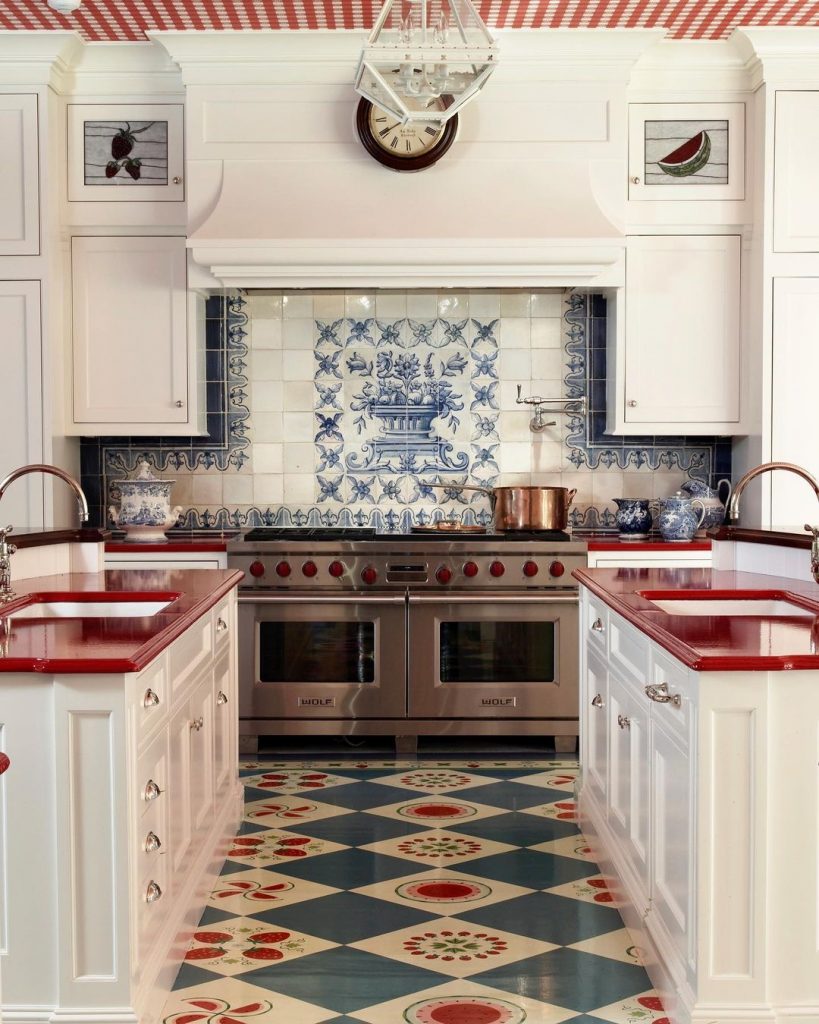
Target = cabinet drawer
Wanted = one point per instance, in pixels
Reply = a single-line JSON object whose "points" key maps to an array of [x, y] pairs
{"points": [[628, 652], [673, 680], [151, 838], [190, 652], [152, 902], [152, 776], [222, 624], [152, 699], [597, 625]]}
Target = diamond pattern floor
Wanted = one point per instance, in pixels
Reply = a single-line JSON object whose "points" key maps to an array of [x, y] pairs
{"points": [[411, 893]]}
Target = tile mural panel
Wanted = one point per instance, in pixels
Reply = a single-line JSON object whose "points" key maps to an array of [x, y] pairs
{"points": [[396, 405]]}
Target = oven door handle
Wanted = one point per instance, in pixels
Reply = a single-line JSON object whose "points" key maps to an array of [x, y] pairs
{"points": [[342, 598], [490, 598]]}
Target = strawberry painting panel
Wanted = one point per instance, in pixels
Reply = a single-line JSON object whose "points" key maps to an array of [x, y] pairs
{"points": [[125, 152]]}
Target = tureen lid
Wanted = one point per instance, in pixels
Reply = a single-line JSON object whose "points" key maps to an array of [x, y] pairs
{"points": [[143, 475]]}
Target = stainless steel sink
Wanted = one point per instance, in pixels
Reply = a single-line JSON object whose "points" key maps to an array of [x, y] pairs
{"points": [[747, 604]]}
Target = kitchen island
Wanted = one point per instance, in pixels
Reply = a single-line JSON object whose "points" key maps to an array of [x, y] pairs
{"points": [[699, 788], [118, 697]]}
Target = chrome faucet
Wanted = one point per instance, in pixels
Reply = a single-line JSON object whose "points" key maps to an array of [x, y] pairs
{"points": [[6, 551], [814, 550], [53, 471], [766, 467]]}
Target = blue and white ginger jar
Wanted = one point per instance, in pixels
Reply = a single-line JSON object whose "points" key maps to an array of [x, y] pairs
{"points": [[145, 511]]}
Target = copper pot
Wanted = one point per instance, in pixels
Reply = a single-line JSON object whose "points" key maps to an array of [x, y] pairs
{"points": [[525, 508]]}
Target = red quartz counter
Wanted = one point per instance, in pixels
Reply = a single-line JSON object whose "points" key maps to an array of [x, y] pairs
{"points": [[133, 547], [624, 546], [106, 644], [714, 642]]}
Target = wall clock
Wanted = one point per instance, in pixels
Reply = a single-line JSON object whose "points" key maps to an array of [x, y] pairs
{"points": [[409, 147]]}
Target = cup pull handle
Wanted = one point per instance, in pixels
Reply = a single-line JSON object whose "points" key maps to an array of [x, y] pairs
{"points": [[597, 626], [151, 699], [597, 701], [221, 698], [151, 791], [153, 892]]}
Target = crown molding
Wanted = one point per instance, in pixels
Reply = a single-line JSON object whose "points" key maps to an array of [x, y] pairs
{"points": [[786, 57], [37, 58], [120, 69]]}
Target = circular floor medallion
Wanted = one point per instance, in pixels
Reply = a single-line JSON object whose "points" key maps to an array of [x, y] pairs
{"points": [[464, 1010], [437, 810], [443, 890]]}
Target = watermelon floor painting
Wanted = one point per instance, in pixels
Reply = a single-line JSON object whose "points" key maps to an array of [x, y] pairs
{"points": [[456, 892]]}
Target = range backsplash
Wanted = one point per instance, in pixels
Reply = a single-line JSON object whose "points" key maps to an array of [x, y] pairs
{"points": [[333, 408]]}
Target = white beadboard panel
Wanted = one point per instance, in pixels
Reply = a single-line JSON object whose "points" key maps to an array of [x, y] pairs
{"points": [[19, 176]]}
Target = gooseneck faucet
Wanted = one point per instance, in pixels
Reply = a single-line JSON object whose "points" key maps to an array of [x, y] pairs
{"points": [[15, 474], [766, 467]]}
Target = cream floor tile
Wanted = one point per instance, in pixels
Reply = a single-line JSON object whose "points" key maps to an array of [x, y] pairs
{"points": [[617, 945], [420, 1007], [455, 948], [295, 780], [565, 779], [445, 892], [642, 1009], [250, 892], [437, 811], [435, 780], [563, 810], [593, 889], [439, 848], [576, 847], [289, 810], [236, 1000], [275, 846], [243, 944]]}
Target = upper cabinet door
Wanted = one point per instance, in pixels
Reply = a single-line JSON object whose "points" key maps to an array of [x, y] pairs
{"points": [[130, 344], [681, 365], [796, 154], [19, 176]]}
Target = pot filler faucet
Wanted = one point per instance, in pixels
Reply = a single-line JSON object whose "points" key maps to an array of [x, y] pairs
{"points": [[6, 549], [767, 467]]}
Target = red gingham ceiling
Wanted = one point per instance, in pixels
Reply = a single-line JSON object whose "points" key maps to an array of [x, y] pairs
{"points": [[131, 19]]}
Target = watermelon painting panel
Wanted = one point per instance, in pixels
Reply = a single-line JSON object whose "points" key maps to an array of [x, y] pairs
{"points": [[686, 152]]}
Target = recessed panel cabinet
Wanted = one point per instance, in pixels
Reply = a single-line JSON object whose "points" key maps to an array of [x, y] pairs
{"points": [[134, 367], [674, 349], [19, 176], [796, 152]]}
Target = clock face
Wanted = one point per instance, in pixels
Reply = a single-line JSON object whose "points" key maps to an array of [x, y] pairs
{"points": [[403, 147]]}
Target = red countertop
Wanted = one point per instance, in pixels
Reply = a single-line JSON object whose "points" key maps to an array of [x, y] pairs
{"points": [[610, 543], [38, 536], [134, 547], [106, 644], [712, 643]]}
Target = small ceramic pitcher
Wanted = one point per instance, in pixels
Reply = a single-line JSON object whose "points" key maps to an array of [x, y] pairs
{"points": [[711, 499], [678, 520], [633, 518]]}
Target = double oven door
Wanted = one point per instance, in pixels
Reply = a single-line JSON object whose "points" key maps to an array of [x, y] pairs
{"points": [[493, 655], [322, 656]]}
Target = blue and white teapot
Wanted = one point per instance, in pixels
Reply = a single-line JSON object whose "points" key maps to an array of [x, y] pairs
{"points": [[678, 520], [710, 497]]}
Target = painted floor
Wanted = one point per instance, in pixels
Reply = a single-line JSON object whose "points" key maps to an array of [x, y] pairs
{"points": [[456, 892]]}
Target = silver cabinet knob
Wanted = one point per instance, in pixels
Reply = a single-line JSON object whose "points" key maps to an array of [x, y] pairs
{"points": [[597, 701], [179, 403], [151, 791], [660, 695], [177, 180], [631, 403], [222, 697], [597, 626], [623, 722], [221, 625], [151, 699], [153, 892], [635, 179], [197, 723], [152, 843]]}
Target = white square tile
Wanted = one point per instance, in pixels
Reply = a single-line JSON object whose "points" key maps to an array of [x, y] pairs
{"points": [[299, 426], [278, 846], [645, 1008], [515, 457], [513, 332], [224, 995], [548, 364], [249, 892], [438, 848], [508, 396], [295, 305], [515, 364], [265, 396], [237, 489], [390, 305], [287, 810], [268, 458], [299, 457], [484, 305], [576, 847], [329, 306], [299, 366], [299, 396], [268, 489], [453, 305], [548, 455], [514, 426], [564, 779], [560, 810], [434, 780], [265, 307], [266, 365], [547, 333], [299, 335], [207, 488], [299, 488], [548, 303], [242, 944], [422, 305], [359, 305], [594, 889], [267, 426], [616, 945], [515, 303], [437, 811], [265, 334], [443, 891]]}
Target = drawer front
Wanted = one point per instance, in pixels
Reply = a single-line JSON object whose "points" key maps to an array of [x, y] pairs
{"points": [[152, 699], [152, 900], [151, 837], [673, 680], [628, 653], [190, 652], [597, 625], [151, 780], [223, 624]]}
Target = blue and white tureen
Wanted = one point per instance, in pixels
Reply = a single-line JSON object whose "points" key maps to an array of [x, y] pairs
{"points": [[145, 511]]}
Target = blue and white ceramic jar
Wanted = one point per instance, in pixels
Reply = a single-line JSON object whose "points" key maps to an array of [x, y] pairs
{"points": [[633, 518], [145, 511], [678, 519], [711, 499]]}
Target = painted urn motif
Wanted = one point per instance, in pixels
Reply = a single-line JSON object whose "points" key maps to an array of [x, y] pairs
{"points": [[633, 518], [710, 497], [679, 519], [145, 511]]}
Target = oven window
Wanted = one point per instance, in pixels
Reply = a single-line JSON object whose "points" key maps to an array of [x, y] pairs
{"points": [[316, 652], [497, 652]]}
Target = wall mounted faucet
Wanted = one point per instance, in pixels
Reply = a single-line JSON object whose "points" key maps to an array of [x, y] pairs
{"points": [[537, 422]]}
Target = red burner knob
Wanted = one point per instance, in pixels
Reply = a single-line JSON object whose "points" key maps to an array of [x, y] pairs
{"points": [[497, 569], [309, 569], [470, 569], [369, 575], [557, 568], [444, 574], [530, 569], [257, 568], [336, 569], [283, 569]]}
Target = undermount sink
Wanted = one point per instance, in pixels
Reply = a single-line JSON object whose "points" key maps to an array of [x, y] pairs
{"points": [[745, 604], [136, 608]]}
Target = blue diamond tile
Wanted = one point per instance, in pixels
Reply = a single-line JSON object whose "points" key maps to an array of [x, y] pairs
{"points": [[348, 869], [230, 867], [345, 917], [189, 976], [357, 829], [361, 796], [549, 918], [513, 796], [581, 1018], [212, 915], [567, 977], [517, 829], [342, 979], [522, 867]]}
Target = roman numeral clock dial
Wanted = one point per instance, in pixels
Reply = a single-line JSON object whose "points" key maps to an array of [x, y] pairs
{"points": [[403, 147]]}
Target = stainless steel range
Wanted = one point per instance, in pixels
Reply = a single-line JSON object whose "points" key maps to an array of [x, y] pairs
{"points": [[349, 632]]}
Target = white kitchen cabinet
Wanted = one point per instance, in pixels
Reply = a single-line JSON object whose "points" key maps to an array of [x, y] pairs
{"points": [[133, 348], [674, 351], [665, 559], [793, 396], [19, 176], [161, 560], [21, 408], [796, 152]]}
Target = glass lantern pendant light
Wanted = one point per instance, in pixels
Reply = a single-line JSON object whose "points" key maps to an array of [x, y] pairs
{"points": [[426, 59]]}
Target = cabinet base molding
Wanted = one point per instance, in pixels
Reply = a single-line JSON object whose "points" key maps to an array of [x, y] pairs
{"points": [[92, 1015]]}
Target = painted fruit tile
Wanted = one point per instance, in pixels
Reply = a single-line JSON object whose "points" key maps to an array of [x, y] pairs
{"points": [[439, 847], [251, 892], [243, 944], [434, 780], [236, 1000], [560, 810], [276, 846], [646, 1008], [437, 811], [294, 780], [279, 811], [576, 846], [616, 945], [454, 948], [443, 892], [594, 889], [565, 778], [449, 1002]]}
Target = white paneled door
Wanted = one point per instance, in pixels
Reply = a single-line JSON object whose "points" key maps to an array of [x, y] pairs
{"points": [[19, 176]]}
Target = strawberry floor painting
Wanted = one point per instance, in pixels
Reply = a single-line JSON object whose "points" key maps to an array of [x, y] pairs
{"points": [[402, 893]]}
